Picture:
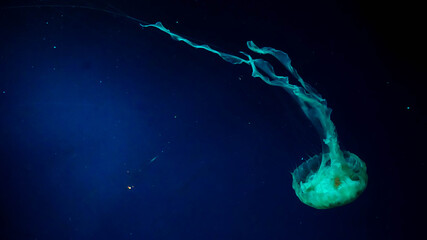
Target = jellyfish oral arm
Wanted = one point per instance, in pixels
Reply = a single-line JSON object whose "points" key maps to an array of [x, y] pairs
{"points": [[330, 179]]}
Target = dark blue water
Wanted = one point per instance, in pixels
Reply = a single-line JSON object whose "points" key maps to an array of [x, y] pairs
{"points": [[109, 131]]}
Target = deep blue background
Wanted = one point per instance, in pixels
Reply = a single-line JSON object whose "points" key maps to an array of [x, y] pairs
{"points": [[88, 99]]}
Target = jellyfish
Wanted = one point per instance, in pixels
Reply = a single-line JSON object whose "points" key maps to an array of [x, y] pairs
{"points": [[330, 179]]}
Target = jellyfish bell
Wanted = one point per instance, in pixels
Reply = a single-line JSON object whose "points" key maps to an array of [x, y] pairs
{"points": [[326, 181]]}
